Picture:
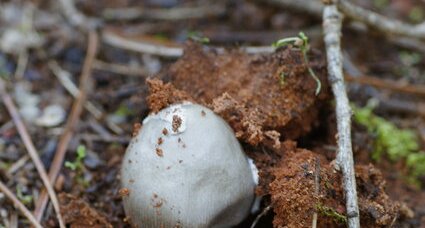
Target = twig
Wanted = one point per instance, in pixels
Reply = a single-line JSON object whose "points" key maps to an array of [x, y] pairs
{"points": [[382, 23], [172, 14], [316, 189], [10, 106], [22, 63], [332, 21], [21, 207], [109, 139], [315, 8], [312, 7], [72, 122], [153, 49], [259, 216], [402, 106], [64, 78], [17, 165], [417, 90], [119, 68], [74, 17], [176, 51]]}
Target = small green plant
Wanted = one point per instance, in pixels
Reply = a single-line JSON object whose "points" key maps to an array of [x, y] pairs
{"points": [[416, 14], [330, 212], [198, 37], [282, 79], [78, 166], [301, 42], [391, 141], [25, 199], [78, 162]]}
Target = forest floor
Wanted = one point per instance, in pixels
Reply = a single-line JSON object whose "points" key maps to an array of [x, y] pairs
{"points": [[268, 98]]}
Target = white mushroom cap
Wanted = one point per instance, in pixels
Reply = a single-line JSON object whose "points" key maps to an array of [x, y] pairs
{"points": [[193, 174]]}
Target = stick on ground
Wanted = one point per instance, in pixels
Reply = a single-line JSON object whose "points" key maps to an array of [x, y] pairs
{"points": [[21, 207], [29, 145], [382, 23], [72, 121], [332, 21]]}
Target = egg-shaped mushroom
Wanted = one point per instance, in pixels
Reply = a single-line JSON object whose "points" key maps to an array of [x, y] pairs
{"points": [[185, 168]]}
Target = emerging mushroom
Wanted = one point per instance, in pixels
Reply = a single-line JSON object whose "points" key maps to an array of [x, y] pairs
{"points": [[185, 168]]}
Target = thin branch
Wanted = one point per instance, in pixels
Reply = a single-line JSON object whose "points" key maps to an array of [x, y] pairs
{"points": [[417, 90], [64, 78], [172, 14], [364, 17], [312, 7], [316, 189], [332, 21], [382, 23], [32, 151], [72, 122], [175, 51], [21, 207], [126, 70], [259, 216], [75, 17], [148, 48]]}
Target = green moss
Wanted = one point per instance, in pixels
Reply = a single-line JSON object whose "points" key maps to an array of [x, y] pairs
{"points": [[332, 213], [391, 141]]}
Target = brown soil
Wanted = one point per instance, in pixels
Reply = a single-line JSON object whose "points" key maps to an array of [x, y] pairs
{"points": [[78, 214], [296, 193], [247, 90]]}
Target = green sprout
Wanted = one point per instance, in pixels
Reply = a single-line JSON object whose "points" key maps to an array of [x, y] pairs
{"points": [[78, 166], [282, 79], [330, 212], [198, 37], [392, 141], [78, 163], [25, 199], [300, 41]]}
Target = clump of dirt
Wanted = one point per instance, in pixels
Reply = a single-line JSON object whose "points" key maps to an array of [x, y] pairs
{"points": [[162, 95], [247, 123], [275, 90], [78, 214], [305, 183]]}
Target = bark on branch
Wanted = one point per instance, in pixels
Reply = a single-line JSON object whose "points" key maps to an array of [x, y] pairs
{"points": [[332, 21]]}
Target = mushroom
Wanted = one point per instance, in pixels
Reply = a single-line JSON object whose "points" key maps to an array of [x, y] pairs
{"points": [[185, 168]]}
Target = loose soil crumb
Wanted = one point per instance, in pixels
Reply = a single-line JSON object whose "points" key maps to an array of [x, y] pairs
{"points": [[252, 82], [165, 131], [78, 214], [177, 121], [136, 129], [162, 95], [159, 152], [295, 202], [124, 192]]}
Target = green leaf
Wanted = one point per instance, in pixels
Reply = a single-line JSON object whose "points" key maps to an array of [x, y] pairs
{"points": [[81, 152], [70, 165]]}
